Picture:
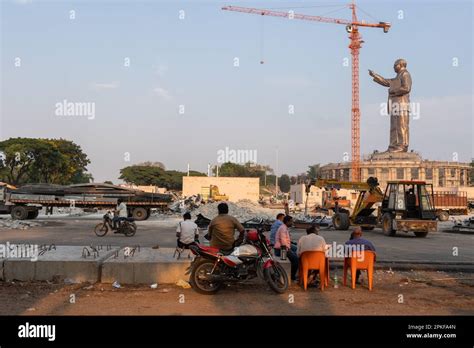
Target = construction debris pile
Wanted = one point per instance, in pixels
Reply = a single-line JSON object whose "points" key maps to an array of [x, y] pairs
{"points": [[17, 224], [242, 210]]}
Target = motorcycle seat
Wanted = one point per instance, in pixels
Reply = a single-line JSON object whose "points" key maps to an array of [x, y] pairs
{"points": [[208, 249]]}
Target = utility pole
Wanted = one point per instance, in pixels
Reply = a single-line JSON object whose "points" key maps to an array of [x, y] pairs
{"points": [[276, 173]]}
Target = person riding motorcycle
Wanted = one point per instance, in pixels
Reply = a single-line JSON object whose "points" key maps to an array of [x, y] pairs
{"points": [[120, 213], [222, 228]]}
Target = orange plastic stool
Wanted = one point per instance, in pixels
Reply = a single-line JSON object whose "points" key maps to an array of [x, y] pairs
{"points": [[366, 264], [314, 260]]}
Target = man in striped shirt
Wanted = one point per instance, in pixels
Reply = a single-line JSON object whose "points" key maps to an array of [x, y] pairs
{"points": [[283, 241]]}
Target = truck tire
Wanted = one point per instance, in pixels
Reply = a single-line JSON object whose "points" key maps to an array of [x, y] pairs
{"points": [[139, 214], [19, 213], [387, 225], [443, 215], [33, 214], [341, 221]]}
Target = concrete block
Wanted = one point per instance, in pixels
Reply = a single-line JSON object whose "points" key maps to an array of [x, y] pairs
{"points": [[1, 269], [145, 266], [73, 262], [19, 269]]}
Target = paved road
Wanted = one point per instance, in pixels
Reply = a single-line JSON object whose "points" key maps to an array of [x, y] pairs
{"points": [[436, 247]]}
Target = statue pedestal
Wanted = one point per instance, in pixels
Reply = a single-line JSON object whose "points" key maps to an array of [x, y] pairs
{"points": [[394, 156]]}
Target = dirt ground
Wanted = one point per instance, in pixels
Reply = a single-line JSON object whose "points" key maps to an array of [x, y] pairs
{"points": [[395, 293]]}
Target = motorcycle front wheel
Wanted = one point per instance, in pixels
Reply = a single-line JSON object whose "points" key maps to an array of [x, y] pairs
{"points": [[101, 229], [260, 270], [277, 278], [200, 275]]}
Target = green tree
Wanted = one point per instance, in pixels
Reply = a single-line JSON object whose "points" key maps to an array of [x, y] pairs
{"points": [[155, 175], [55, 161], [18, 157], [152, 164], [313, 171], [75, 162], [249, 169], [284, 183]]}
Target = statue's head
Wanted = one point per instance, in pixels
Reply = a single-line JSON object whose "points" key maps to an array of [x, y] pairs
{"points": [[399, 65]]}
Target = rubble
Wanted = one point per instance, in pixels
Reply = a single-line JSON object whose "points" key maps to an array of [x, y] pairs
{"points": [[242, 210], [184, 284], [18, 224]]}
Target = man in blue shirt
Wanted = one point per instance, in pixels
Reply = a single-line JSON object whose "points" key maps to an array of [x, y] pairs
{"points": [[276, 225], [356, 239]]}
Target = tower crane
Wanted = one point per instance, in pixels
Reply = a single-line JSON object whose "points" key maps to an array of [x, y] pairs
{"points": [[352, 28]]}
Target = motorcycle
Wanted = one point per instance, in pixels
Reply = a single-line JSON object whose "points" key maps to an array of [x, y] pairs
{"points": [[211, 268], [126, 226]]}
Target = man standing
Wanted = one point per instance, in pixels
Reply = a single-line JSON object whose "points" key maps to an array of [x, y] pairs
{"points": [[283, 242], [398, 105], [222, 228], [275, 226]]}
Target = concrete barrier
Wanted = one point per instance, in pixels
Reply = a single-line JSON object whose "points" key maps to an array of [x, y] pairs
{"points": [[149, 266], [145, 266], [132, 265], [78, 263]]}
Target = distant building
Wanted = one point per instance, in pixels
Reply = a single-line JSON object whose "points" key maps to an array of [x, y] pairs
{"points": [[443, 175]]}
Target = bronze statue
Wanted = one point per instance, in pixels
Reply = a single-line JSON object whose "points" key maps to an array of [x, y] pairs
{"points": [[398, 105]]}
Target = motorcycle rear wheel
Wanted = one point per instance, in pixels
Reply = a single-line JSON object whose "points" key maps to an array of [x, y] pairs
{"points": [[130, 229], [277, 278], [101, 229], [201, 270]]}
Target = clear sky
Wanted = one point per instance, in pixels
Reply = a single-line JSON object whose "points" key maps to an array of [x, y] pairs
{"points": [[48, 57]]}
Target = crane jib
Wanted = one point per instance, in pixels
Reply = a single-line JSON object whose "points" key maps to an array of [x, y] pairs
{"points": [[291, 15]]}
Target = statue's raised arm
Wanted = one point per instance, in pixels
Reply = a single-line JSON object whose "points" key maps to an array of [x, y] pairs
{"points": [[379, 79]]}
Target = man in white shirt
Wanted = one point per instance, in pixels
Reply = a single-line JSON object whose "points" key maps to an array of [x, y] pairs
{"points": [[187, 232], [311, 242], [120, 212]]}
